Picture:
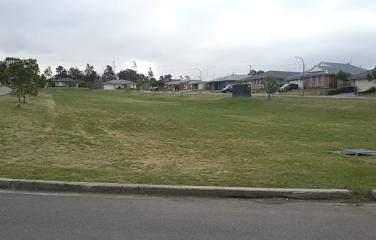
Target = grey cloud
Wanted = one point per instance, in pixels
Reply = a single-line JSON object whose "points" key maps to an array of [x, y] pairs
{"points": [[73, 33]]}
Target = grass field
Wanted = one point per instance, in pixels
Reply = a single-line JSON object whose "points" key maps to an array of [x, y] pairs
{"points": [[188, 139]]}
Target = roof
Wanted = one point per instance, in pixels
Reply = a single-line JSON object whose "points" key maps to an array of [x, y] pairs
{"points": [[117, 82], [231, 77], [67, 80], [333, 68], [329, 68], [363, 75], [275, 74], [178, 82]]}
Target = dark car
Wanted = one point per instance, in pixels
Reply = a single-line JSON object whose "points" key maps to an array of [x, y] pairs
{"points": [[154, 89], [288, 87], [227, 89]]}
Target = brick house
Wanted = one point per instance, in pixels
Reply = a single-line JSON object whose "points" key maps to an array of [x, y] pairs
{"points": [[219, 83], [257, 80], [323, 75]]}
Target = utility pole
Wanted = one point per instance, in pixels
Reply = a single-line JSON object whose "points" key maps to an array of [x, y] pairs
{"points": [[113, 66], [303, 73]]}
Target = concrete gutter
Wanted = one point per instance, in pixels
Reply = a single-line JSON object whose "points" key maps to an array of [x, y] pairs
{"points": [[171, 190]]}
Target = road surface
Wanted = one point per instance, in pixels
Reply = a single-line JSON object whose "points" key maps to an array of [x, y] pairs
{"points": [[86, 216]]}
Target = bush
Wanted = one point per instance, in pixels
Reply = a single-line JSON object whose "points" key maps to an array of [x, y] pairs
{"points": [[339, 90], [371, 90]]}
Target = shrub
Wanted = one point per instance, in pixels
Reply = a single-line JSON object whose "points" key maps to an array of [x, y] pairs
{"points": [[371, 90], [339, 90]]}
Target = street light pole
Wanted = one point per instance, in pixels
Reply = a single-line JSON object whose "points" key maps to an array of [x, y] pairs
{"points": [[197, 69], [303, 73]]}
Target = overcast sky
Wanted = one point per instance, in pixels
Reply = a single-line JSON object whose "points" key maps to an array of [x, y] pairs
{"points": [[171, 36]]}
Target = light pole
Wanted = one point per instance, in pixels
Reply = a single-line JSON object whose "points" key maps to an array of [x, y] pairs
{"points": [[197, 69], [303, 73]]}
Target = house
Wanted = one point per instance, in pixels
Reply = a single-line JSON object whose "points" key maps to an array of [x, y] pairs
{"points": [[67, 82], [219, 83], [257, 80], [323, 75], [362, 81], [187, 85], [118, 84]]}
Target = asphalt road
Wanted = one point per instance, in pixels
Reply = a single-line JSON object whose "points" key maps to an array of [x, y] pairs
{"points": [[74, 216]]}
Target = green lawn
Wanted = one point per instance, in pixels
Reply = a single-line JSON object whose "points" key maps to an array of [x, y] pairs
{"points": [[187, 139]]}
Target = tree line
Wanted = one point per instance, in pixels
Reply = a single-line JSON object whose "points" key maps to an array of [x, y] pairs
{"points": [[24, 78]]}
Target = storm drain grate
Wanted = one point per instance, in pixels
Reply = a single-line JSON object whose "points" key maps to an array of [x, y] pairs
{"points": [[358, 152]]}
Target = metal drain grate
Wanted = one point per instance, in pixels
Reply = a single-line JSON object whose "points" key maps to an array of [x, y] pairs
{"points": [[358, 152]]}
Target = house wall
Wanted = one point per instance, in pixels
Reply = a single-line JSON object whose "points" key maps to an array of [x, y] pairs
{"points": [[257, 83], [60, 84], [108, 87], [363, 84], [318, 81]]}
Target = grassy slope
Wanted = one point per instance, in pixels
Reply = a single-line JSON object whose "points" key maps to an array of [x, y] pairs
{"points": [[195, 140]]}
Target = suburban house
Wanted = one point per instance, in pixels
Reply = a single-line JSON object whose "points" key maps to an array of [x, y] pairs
{"points": [[118, 84], [323, 75], [257, 80], [67, 82], [187, 85], [362, 81], [219, 83]]}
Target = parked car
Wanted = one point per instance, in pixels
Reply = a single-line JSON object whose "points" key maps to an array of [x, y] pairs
{"points": [[227, 89], [288, 87], [154, 89]]}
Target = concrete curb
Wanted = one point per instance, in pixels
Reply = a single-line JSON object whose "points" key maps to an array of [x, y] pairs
{"points": [[171, 190]]}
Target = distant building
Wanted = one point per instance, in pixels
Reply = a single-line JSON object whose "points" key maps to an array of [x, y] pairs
{"points": [[118, 84], [257, 80], [219, 83], [67, 82], [361, 81], [185, 85], [323, 75]]}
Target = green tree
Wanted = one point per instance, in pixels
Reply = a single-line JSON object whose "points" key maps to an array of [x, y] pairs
{"points": [[108, 74], [341, 75], [128, 74], [150, 74], [23, 75], [271, 85], [372, 75], [90, 74], [47, 74], [75, 73], [3, 66], [165, 78], [61, 72]]}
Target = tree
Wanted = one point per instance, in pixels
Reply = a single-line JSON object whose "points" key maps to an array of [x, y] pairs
{"points": [[47, 72], [108, 74], [75, 73], [90, 75], [271, 85], [341, 75], [165, 78], [372, 75], [150, 74], [128, 74], [61, 72], [3, 67], [23, 75]]}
